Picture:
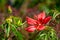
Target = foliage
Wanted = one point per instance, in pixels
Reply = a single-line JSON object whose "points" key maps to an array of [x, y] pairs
{"points": [[48, 34], [13, 22]]}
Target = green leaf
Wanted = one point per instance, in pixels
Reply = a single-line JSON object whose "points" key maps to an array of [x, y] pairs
{"points": [[56, 13], [17, 33], [49, 34], [46, 37], [7, 29], [17, 21], [42, 35], [3, 39]]}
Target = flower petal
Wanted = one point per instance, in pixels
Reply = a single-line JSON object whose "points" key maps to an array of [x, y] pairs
{"points": [[40, 27], [31, 21], [30, 29], [46, 19], [41, 16]]}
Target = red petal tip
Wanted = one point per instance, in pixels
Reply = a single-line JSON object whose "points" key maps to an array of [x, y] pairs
{"points": [[30, 21], [30, 29], [47, 19], [41, 16]]}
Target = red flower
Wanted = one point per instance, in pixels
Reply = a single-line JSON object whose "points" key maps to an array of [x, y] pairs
{"points": [[37, 24]]}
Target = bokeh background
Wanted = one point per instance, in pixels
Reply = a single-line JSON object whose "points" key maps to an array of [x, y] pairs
{"points": [[23, 8]]}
